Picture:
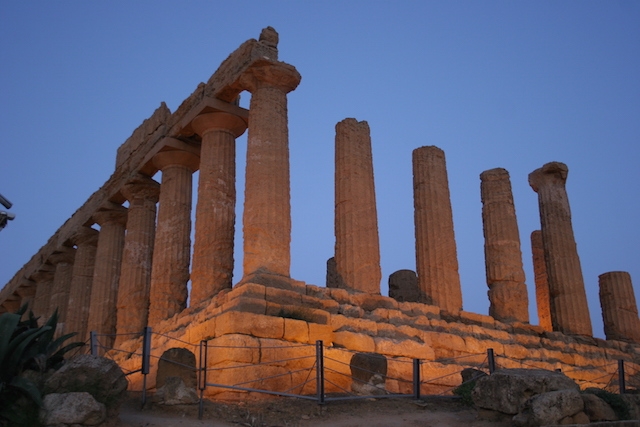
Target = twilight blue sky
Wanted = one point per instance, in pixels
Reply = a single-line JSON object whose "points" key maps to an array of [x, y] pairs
{"points": [[493, 83]]}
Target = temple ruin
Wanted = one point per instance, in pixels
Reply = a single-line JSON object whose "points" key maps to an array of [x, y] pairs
{"points": [[133, 272]]}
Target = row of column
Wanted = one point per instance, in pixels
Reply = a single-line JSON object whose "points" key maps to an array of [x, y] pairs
{"points": [[133, 273], [560, 292]]}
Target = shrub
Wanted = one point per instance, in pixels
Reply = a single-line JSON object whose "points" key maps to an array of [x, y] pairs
{"points": [[618, 404]]}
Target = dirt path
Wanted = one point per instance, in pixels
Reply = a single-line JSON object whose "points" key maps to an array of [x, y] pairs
{"points": [[297, 413]]}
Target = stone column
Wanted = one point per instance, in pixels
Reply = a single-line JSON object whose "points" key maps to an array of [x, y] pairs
{"points": [[436, 254], [403, 286], [44, 281], [267, 206], [503, 258], [135, 274], [86, 241], [619, 309], [62, 259], [357, 247], [106, 273], [568, 300], [216, 209], [541, 280], [27, 292], [172, 247]]}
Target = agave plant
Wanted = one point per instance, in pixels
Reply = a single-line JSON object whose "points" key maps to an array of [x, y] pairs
{"points": [[26, 346]]}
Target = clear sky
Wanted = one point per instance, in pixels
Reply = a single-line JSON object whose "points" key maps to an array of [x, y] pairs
{"points": [[493, 83]]}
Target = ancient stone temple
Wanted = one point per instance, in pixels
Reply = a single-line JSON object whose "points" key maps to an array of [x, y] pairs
{"points": [[114, 270]]}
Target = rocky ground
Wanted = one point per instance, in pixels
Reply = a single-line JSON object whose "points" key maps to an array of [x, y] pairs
{"points": [[285, 412]]}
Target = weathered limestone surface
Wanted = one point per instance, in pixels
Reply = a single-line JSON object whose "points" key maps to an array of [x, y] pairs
{"points": [[59, 297], [172, 247], [403, 286], [357, 247], [215, 213], [436, 254], [333, 278], [86, 241], [267, 204], [619, 309], [568, 299], [106, 273], [541, 281], [503, 257], [135, 275], [44, 283]]}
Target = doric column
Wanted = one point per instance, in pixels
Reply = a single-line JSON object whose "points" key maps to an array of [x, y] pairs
{"points": [[44, 281], [215, 212], [86, 241], [135, 274], [541, 280], [106, 273], [62, 259], [503, 258], [436, 255], [619, 309], [172, 247], [267, 205], [568, 300], [357, 247]]}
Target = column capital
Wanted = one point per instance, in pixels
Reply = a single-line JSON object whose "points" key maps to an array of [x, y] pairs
{"points": [[270, 74], [550, 173], [112, 213], [219, 120], [44, 274], [85, 236], [141, 187], [62, 255], [176, 158]]}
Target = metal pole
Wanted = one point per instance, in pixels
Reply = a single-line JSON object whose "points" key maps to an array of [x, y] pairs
{"points": [[202, 376], [416, 379], [319, 372], [94, 343], [623, 388], [492, 361], [146, 361]]}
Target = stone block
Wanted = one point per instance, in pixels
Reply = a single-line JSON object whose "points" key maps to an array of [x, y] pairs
{"points": [[293, 356], [320, 332], [438, 374], [342, 296], [262, 377], [249, 324], [236, 348], [283, 296], [296, 330], [350, 310], [527, 340], [370, 302], [318, 292], [476, 346], [378, 315], [443, 340], [354, 341], [245, 304], [247, 290], [196, 332], [405, 348], [339, 322], [478, 319]]}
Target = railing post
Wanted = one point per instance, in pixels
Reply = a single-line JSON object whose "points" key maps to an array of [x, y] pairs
{"points": [[491, 360], [621, 382], [146, 361], [416, 379], [202, 375], [319, 372], [93, 336]]}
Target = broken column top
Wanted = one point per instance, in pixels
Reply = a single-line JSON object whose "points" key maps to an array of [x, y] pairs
{"points": [[269, 37], [556, 170]]}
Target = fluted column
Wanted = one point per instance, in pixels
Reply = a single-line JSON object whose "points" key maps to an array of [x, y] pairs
{"points": [[436, 254], [503, 258], [568, 300], [619, 309], [86, 241], [215, 212], [44, 281], [172, 247], [541, 280], [267, 204], [357, 247], [137, 255], [62, 259], [106, 273]]}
